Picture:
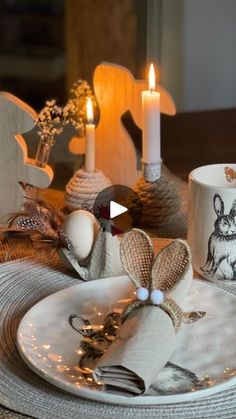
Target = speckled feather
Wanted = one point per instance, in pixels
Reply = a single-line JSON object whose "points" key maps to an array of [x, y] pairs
{"points": [[41, 222]]}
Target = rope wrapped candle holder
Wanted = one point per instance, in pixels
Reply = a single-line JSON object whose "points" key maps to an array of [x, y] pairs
{"points": [[164, 201], [83, 188], [158, 192], [85, 185]]}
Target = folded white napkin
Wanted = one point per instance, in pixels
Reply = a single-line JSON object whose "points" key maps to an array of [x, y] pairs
{"points": [[146, 339]]}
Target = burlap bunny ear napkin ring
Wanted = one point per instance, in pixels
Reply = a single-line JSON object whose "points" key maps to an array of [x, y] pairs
{"points": [[154, 276]]}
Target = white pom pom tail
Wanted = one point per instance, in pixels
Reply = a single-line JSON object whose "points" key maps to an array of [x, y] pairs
{"points": [[142, 294], [157, 296]]}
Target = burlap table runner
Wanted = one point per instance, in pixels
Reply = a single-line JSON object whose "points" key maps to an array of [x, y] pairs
{"points": [[22, 284]]}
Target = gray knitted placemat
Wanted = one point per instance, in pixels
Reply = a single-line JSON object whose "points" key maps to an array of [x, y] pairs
{"points": [[24, 283]]}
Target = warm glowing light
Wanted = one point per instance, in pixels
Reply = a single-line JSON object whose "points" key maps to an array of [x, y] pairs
{"points": [[152, 78], [46, 346], [89, 110]]}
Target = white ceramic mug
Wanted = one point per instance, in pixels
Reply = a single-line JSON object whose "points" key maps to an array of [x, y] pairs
{"points": [[212, 220]]}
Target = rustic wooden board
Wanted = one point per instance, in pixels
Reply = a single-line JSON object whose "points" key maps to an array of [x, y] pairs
{"points": [[118, 92], [15, 118], [87, 25]]}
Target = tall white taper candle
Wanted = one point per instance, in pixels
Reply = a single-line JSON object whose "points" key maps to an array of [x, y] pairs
{"points": [[90, 138], [151, 122]]}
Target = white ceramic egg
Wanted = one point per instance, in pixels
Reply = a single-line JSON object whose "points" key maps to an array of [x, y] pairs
{"points": [[81, 229]]}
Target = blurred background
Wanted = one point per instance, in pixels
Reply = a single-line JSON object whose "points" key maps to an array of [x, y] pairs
{"points": [[46, 45]]}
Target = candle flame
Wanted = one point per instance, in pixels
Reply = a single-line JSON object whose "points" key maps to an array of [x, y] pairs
{"points": [[152, 78], [89, 110]]}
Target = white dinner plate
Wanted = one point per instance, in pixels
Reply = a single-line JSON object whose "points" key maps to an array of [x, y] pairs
{"points": [[51, 347]]}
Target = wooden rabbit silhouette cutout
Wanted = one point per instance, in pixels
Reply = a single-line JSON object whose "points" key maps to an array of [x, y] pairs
{"points": [[15, 167], [118, 92]]}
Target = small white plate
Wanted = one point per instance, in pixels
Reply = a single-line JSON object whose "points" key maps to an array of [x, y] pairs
{"points": [[51, 347]]}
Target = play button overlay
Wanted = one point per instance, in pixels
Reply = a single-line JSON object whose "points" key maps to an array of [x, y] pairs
{"points": [[117, 208]]}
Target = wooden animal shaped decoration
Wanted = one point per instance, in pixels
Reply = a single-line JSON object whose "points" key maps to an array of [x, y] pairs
{"points": [[118, 92], [15, 167]]}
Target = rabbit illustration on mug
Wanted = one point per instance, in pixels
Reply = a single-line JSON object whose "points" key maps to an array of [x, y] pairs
{"points": [[222, 243]]}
